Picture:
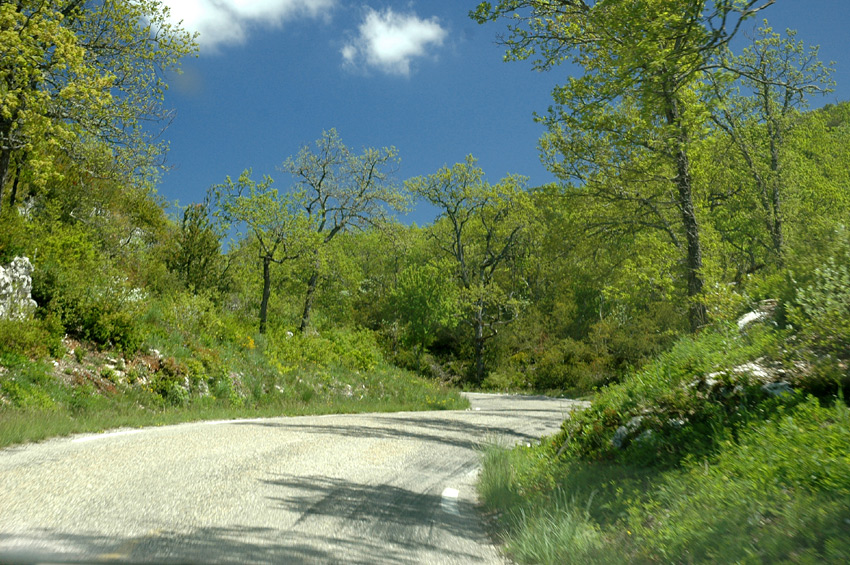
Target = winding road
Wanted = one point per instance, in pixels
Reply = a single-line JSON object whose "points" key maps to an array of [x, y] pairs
{"points": [[364, 488]]}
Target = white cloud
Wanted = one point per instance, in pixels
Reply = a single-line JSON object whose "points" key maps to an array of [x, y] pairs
{"points": [[227, 21], [388, 40]]}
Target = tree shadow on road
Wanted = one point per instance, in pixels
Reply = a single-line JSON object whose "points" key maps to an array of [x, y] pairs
{"points": [[401, 521], [235, 545]]}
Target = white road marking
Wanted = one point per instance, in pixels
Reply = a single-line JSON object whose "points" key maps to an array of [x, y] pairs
{"points": [[104, 436], [448, 502], [238, 421]]}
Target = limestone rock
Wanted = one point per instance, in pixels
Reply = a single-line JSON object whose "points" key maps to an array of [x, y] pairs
{"points": [[765, 312], [16, 301]]}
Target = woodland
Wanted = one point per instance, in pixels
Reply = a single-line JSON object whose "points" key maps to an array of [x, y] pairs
{"points": [[696, 183]]}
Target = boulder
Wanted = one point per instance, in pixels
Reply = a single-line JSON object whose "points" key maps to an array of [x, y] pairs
{"points": [[765, 312], [16, 301]]}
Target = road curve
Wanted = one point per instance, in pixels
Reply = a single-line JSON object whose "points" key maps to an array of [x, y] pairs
{"points": [[373, 488]]}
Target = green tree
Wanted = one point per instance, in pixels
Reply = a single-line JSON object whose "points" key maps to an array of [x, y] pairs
{"points": [[83, 79], [482, 230], [341, 191], [197, 259], [272, 219], [776, 74], [626, 128], [426, 299]]}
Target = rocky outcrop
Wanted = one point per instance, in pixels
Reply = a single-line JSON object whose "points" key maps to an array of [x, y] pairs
{"points": [[764, 313], [16, 301]]}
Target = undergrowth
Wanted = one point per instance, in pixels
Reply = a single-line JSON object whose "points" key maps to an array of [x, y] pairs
{"points": [[195, 363], [729, 448]]}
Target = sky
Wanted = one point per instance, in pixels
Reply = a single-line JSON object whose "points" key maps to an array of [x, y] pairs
{"points": [[418, 75]]}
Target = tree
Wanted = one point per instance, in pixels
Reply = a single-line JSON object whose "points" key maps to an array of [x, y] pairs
{"points": [[272, 218], [632, 118], [426, 299], [776, 74], [197, 258], [341, 191], [84, 79], [482, 230]]}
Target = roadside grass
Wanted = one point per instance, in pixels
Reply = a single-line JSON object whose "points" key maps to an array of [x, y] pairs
{"points": [[662, 469], [778, 494], [57, 409], [196, 365]]}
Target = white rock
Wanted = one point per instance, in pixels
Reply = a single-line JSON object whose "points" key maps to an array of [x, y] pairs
{"points": [[16, 301]]}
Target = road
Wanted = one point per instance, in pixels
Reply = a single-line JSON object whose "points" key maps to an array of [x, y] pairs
{"points": [[373, 488]]}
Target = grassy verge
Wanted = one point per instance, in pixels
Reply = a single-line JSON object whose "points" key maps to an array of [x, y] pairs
{"points": [[53, 408], [190, 373], [695, 459]]}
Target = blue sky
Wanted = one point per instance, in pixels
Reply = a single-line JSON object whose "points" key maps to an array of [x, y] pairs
{"points": [[418, 75]]}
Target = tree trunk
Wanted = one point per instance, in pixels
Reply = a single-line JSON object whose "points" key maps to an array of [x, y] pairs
{"points": [[776, 192], [5, 159], [267, 285], [13, 196], [697, 314], [312, 284], [478, 343]]}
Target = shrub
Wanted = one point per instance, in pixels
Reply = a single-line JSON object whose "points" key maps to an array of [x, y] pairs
{"points": [[356, 350], [822, 310], [683, 403], [778, 494], [33, 338]]}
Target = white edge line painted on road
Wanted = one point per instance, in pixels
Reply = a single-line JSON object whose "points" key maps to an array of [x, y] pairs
{"points": [[448, 501], [104, 436], [244, 421]]}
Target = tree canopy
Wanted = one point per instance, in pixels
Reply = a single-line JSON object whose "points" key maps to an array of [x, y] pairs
{"points": [[84, 80]]}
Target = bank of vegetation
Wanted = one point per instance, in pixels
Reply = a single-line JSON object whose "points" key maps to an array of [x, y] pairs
{"points": [[695, 152], [695, 185]]}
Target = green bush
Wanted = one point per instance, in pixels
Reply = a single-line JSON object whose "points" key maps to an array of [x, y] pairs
{"points": [[682, 403], [356, 350], [33, 338], [26, 384], [822, 310], [778, 495]]}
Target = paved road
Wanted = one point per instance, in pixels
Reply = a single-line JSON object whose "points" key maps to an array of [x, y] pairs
{"points": [[375, 488]]}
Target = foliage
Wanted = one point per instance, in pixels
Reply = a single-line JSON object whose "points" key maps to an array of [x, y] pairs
{"points": [[197, 259], [482, 233], [272, 220], [626, 129], [776, 74], [426, 301], [777, 494], [79, 79], [342, 191]]}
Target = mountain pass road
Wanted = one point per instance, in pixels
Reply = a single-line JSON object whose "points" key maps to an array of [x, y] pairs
{"points": [[363, 488]]}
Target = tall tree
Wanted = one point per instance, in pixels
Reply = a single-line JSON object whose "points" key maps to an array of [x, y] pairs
{"points": [[341, 191], [272, 219], [197, 259], [638, 102], [84, 78], [482, 230], [763, 90]]}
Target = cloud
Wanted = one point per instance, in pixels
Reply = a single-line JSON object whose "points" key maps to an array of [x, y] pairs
{"points": [[388, 41], [227, 21]]}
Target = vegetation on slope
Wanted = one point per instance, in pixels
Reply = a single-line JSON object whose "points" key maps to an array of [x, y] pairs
{"points": [[727, 445]]}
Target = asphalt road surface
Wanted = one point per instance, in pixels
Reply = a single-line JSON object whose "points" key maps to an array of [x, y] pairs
{"points": [[368, 488]]}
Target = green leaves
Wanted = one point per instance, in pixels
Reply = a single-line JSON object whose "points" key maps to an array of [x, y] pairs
{"points": [[75, 75]]}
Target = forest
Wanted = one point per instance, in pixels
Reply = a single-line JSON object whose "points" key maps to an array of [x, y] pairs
{"points": [[696, 184]]}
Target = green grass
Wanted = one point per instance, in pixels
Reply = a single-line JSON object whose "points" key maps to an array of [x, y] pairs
{"points": [[56, 409], [777, 494], [206, 368], [741, 477]]}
